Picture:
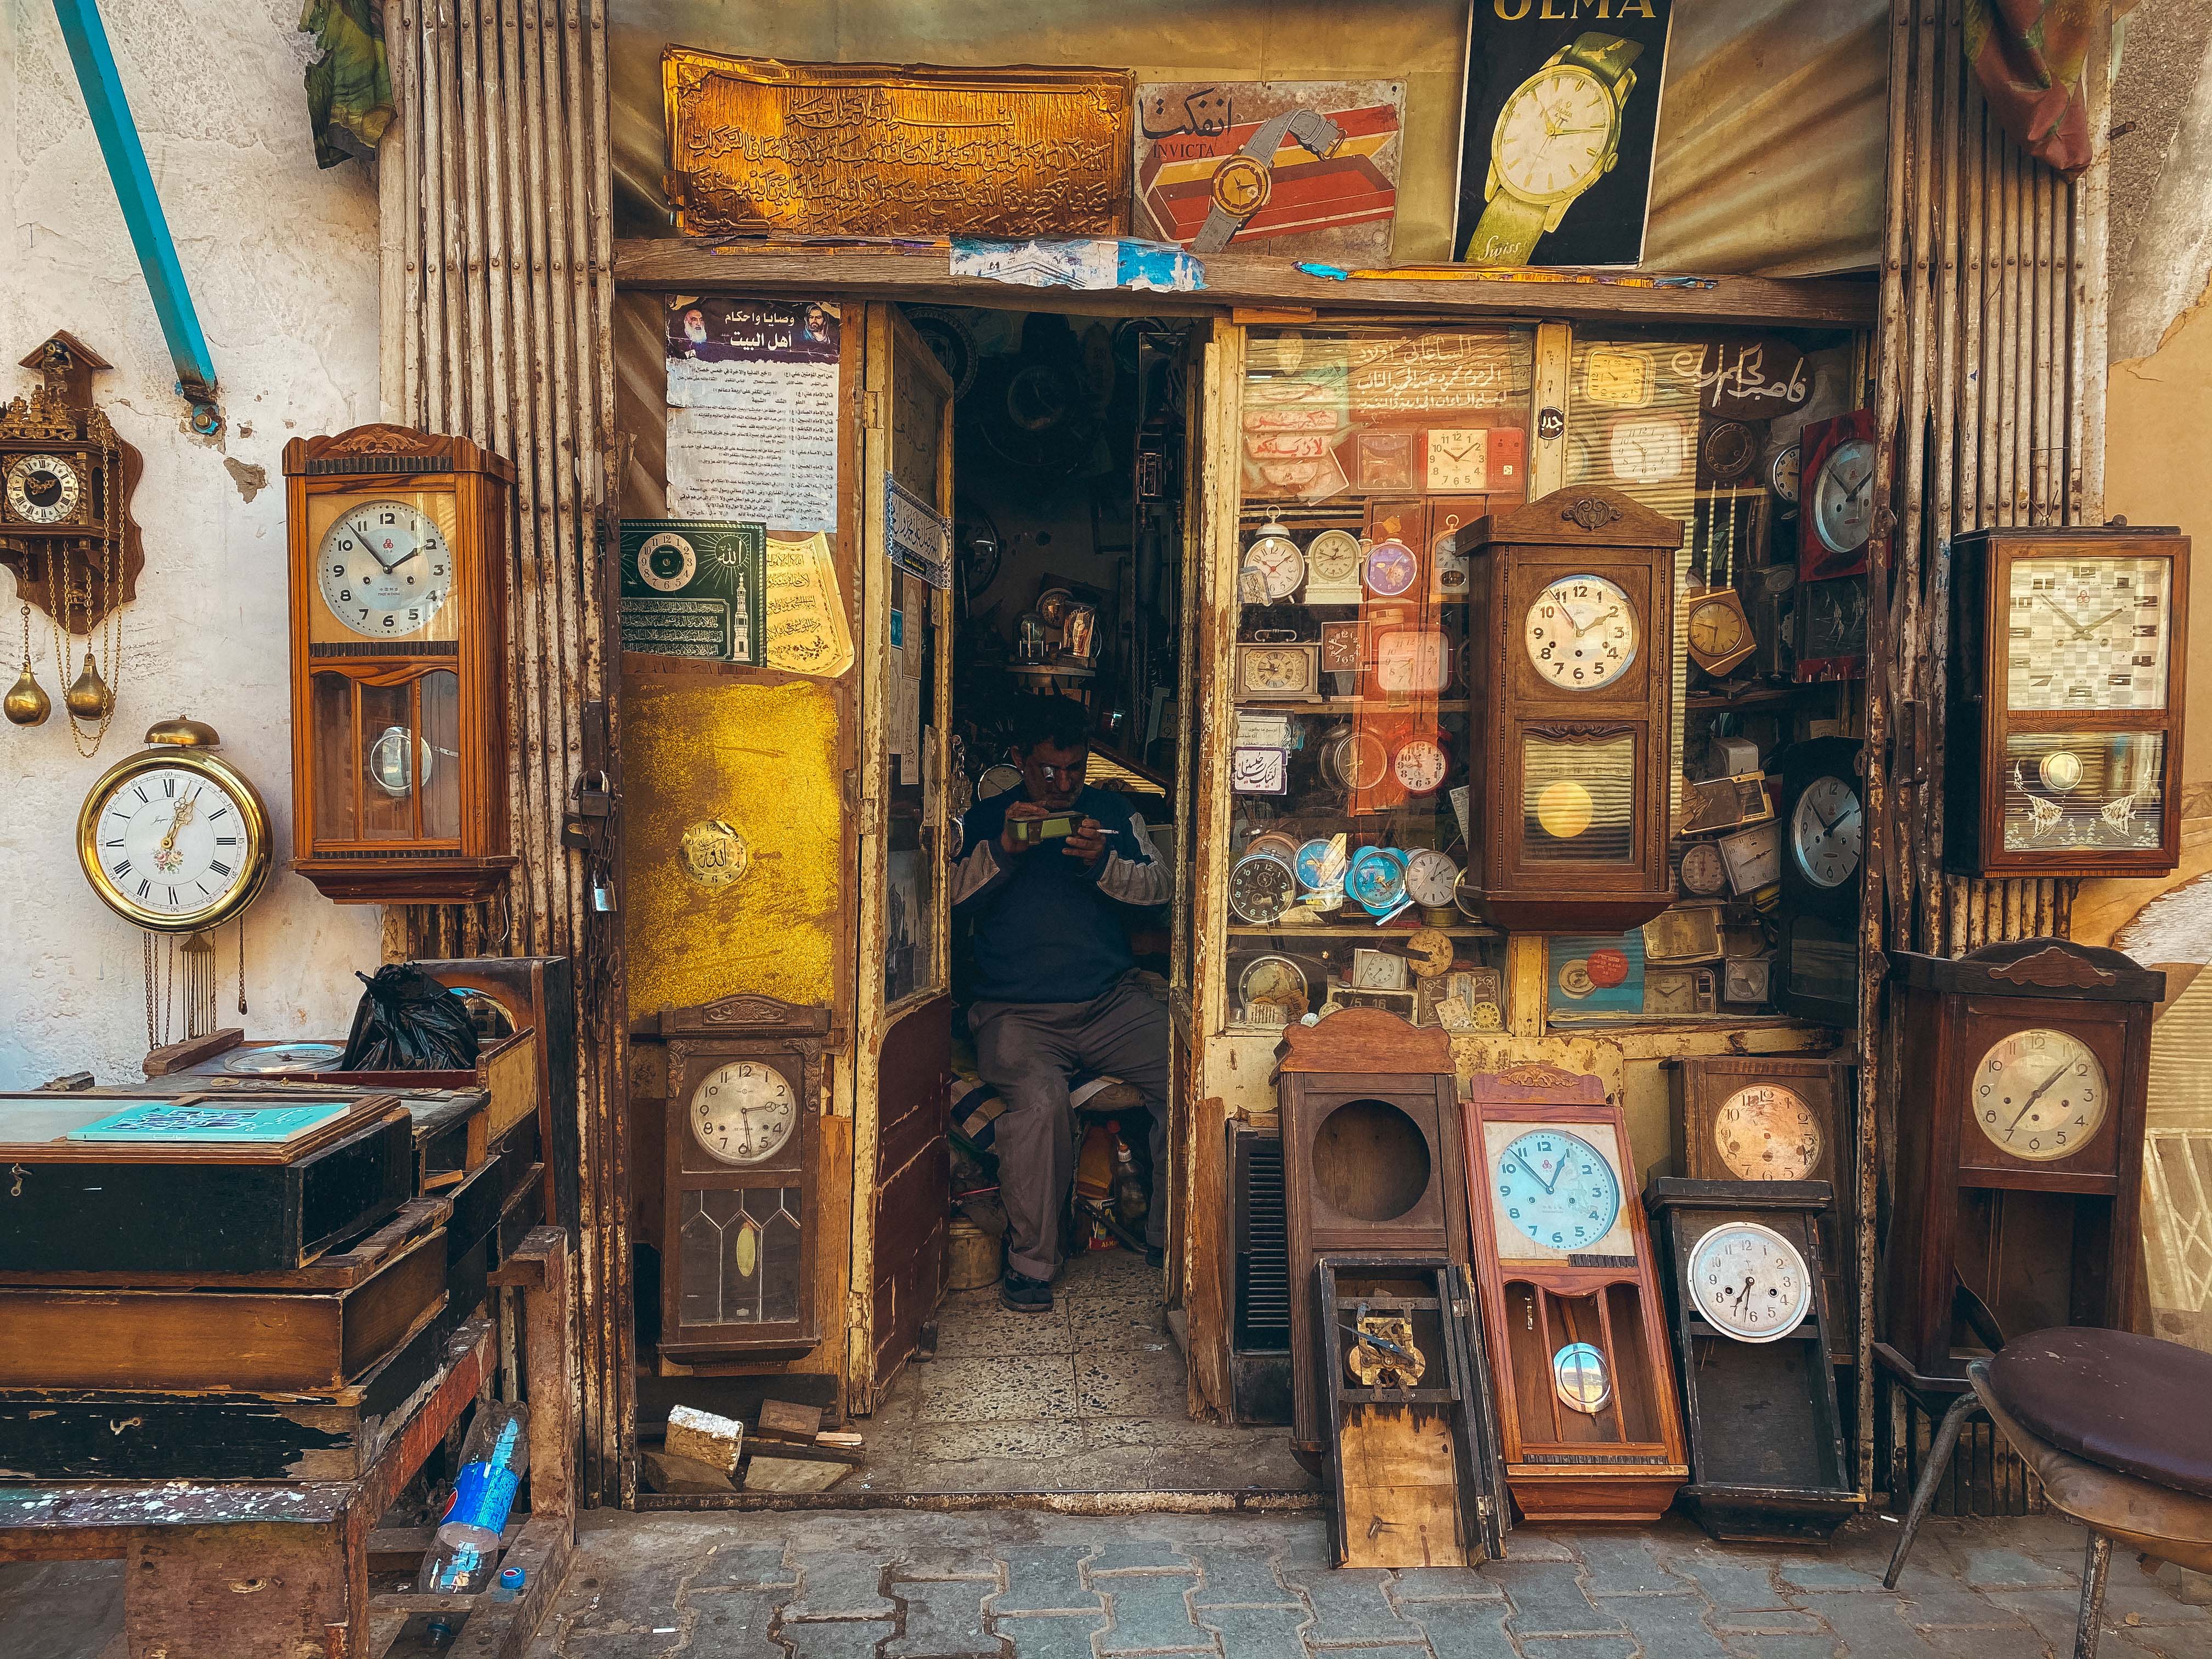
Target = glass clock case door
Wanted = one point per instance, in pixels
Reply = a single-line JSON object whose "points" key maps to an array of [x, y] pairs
{"points": [[903, 1014]]}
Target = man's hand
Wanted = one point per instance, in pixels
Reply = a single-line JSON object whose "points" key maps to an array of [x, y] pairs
{"points": [[1088, 841], [1021, 811]]}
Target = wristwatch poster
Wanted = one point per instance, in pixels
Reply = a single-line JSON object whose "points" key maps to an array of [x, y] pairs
{"points": [[1557, 134]]}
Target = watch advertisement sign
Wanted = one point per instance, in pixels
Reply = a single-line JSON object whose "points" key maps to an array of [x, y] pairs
{"points": [[692, 587], [1557, 130], [1307, 166]]}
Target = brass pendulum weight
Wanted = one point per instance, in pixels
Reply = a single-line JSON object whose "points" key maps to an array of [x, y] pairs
{"points": [[26, 703], [88, 697]]}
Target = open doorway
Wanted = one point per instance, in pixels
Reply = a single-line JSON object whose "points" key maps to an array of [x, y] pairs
{"points": [[1071, 507]]}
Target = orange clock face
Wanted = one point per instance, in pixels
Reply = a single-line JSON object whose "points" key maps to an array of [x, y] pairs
{"points": [[1767, 1133]]}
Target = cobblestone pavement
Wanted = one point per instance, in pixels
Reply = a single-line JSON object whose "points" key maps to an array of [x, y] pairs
{"points": [[905, 1584]]}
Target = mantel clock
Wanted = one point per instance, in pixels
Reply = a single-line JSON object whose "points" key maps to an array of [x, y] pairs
{"points": [[398, 582], [1578, 681], [2066, 703], [740, 1217], [2018, 1168]]}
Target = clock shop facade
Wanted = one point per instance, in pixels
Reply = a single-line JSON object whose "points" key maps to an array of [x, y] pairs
{"points": [[1606, 727]]}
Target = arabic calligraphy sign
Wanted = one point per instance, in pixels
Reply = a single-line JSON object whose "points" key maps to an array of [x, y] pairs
{"points": [[1745, 379], [875, 150]]}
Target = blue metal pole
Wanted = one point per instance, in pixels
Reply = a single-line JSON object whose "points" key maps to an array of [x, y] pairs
{"points": [[142, 207]]}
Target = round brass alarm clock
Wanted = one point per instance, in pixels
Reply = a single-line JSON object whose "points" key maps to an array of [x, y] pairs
{"points": [[173, 839]]}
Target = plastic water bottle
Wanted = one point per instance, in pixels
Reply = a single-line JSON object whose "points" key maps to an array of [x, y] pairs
{"points": [[456, 1569], [494, 1460]]}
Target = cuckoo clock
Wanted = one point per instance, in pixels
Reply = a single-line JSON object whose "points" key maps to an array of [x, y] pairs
{"points": [[399, 584], [740, 1208], [1578, 682], [1571, 1297]]}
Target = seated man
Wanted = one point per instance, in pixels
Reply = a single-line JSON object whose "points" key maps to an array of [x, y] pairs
{"points": [[1057, 990]]}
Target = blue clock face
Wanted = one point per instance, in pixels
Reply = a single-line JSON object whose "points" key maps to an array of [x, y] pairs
{"points": [[1377, 878], [1557, 1188]]}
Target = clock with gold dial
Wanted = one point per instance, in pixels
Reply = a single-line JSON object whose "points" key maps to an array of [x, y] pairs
{"points": [[1717, 631], [174, 839]]}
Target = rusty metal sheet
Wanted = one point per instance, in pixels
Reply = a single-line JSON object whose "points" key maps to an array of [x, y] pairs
{"points": [[881, 149]]}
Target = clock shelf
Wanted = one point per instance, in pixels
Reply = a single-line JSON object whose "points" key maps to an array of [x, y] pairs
{"points": [[1352, 706], [1352, 930]]}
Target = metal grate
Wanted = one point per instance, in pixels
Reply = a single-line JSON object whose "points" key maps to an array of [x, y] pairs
{"points": [[1263, 1245]]}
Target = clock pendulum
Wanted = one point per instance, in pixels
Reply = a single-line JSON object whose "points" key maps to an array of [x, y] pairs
{"points": [[26, 703]]}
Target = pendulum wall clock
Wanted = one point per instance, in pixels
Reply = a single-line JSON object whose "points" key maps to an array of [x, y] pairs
{"points": [[2066, 703], [739, 1207], [1579, 590], [1576, 1326], [2018, 1169], [398, 582]]}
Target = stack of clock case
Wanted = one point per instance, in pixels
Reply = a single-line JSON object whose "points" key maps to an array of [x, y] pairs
{"points": [[1744, 1272]]}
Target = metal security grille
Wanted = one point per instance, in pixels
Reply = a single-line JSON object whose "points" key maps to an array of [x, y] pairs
{"points": [[1263, 1246]]}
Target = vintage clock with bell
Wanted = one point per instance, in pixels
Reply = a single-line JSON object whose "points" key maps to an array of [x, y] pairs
{"points": [[2018, 1166], [739, 1181], [1744, 1264], [2066, 700], [398, 583], [1570, 1300], [1577, 592]]}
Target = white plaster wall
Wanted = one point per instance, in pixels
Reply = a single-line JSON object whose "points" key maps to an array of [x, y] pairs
{"points": [[281, 260]]}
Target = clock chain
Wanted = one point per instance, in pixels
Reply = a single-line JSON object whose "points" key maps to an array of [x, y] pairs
{"points": [[68, 594]]}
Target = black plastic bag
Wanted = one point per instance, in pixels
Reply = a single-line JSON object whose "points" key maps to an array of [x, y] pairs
{"points": [[408, 1022]]}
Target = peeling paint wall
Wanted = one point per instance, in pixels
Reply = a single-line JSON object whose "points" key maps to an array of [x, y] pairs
{"points": [[282, 263]]}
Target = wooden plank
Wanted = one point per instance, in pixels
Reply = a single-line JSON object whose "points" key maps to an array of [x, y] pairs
{"points": [[1400, 1489], [1261, 281], [337, 1271]]}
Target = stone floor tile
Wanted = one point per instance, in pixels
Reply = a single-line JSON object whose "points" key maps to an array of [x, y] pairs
{"points": [[972, 1322], [1671, 1626], [1741, 1583], [1624, 1563], [1255, 1633], [1368, 1650], [1050, 1636], [840, 1584], [1238, 1577], [1131, 1382], [1983, 1566], [1021, 1387], [1754, 1646], [1150, 1614], [1875, 1628], [1349, 1606], [743, 1566], [1123, 1552], [1108, 1323], [1464, 1629], [733, 1622], [61, 1609], [1548, 1601], [944, 1620], [1111, 1273], [1045, 1578], [1932, 1596], [1175, 1429], [1443, 1584], [1817, 1575], [965, 1442], [1965, 1642], [1579, 1647], [2054, 1612], [636, 1598], [2163, 1641], [832, 1638], [1532, 1544]]}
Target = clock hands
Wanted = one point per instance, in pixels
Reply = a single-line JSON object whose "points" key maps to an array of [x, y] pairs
{"points": [[2040, 1089]]}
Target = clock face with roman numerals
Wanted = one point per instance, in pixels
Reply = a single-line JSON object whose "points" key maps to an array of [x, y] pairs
{"points": [[173, 840], [2087, 634]]}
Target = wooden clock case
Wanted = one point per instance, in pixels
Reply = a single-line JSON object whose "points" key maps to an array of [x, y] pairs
{"points": [[1767, 1460], [1584, 529], [1624, 1462], [1370, 1166], [1702, 1084], [1979, 720], [1973, 1227], [793, 1040]]}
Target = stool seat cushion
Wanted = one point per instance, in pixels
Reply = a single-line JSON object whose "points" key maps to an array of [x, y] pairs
{"points": [[2125, 1403]]}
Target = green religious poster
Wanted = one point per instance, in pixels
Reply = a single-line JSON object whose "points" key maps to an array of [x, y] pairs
{"points": [[691, 587]]}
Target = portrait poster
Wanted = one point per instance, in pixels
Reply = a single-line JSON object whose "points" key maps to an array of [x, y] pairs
{"points": [[752, 412], [1302, 167], [1557, 130]]}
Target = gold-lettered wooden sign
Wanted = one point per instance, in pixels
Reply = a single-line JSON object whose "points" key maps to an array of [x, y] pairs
{"points": [[881, 149]]}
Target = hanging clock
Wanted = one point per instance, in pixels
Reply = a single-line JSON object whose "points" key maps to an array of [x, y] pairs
{"points": [[398, 582], [1727, 451], [1838, 507], [1717, 632], [174, 839], [1824, 825]]}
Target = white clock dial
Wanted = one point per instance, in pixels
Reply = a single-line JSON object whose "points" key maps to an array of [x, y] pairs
{"points": [[1782, 474], [1826, 832], [1279, 561], [173, 842], [1557, 1188], [1333, 559], [43, 488], [1431, 878], [1581, 633], [1749, 1282], [384, 569], [1420, 765], [2087, 634], [1649, 449], [1412, 661], [2039, 1095], [1553, 134], [1843, 496], [743, 1112]]}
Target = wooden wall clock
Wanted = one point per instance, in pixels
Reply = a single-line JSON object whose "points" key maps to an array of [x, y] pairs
{"points": [[1578, 683], [1836, 484], [2018, 1169], [2066, 699], [1780, 1119], [1744, 1267], [1370, 1164], [1571, 1297], [739, 1204], [398, 582]]}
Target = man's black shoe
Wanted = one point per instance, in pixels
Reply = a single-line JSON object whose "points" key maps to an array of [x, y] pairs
{"points": [[1018, 1293], [1155, 1255]]}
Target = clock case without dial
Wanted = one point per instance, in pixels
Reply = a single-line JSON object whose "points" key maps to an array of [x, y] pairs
{"points": [[698, 1042], [1767, 1455], [1977, 767]]}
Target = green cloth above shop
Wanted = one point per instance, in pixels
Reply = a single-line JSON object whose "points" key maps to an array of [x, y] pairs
{"points": [[350, 85]]}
